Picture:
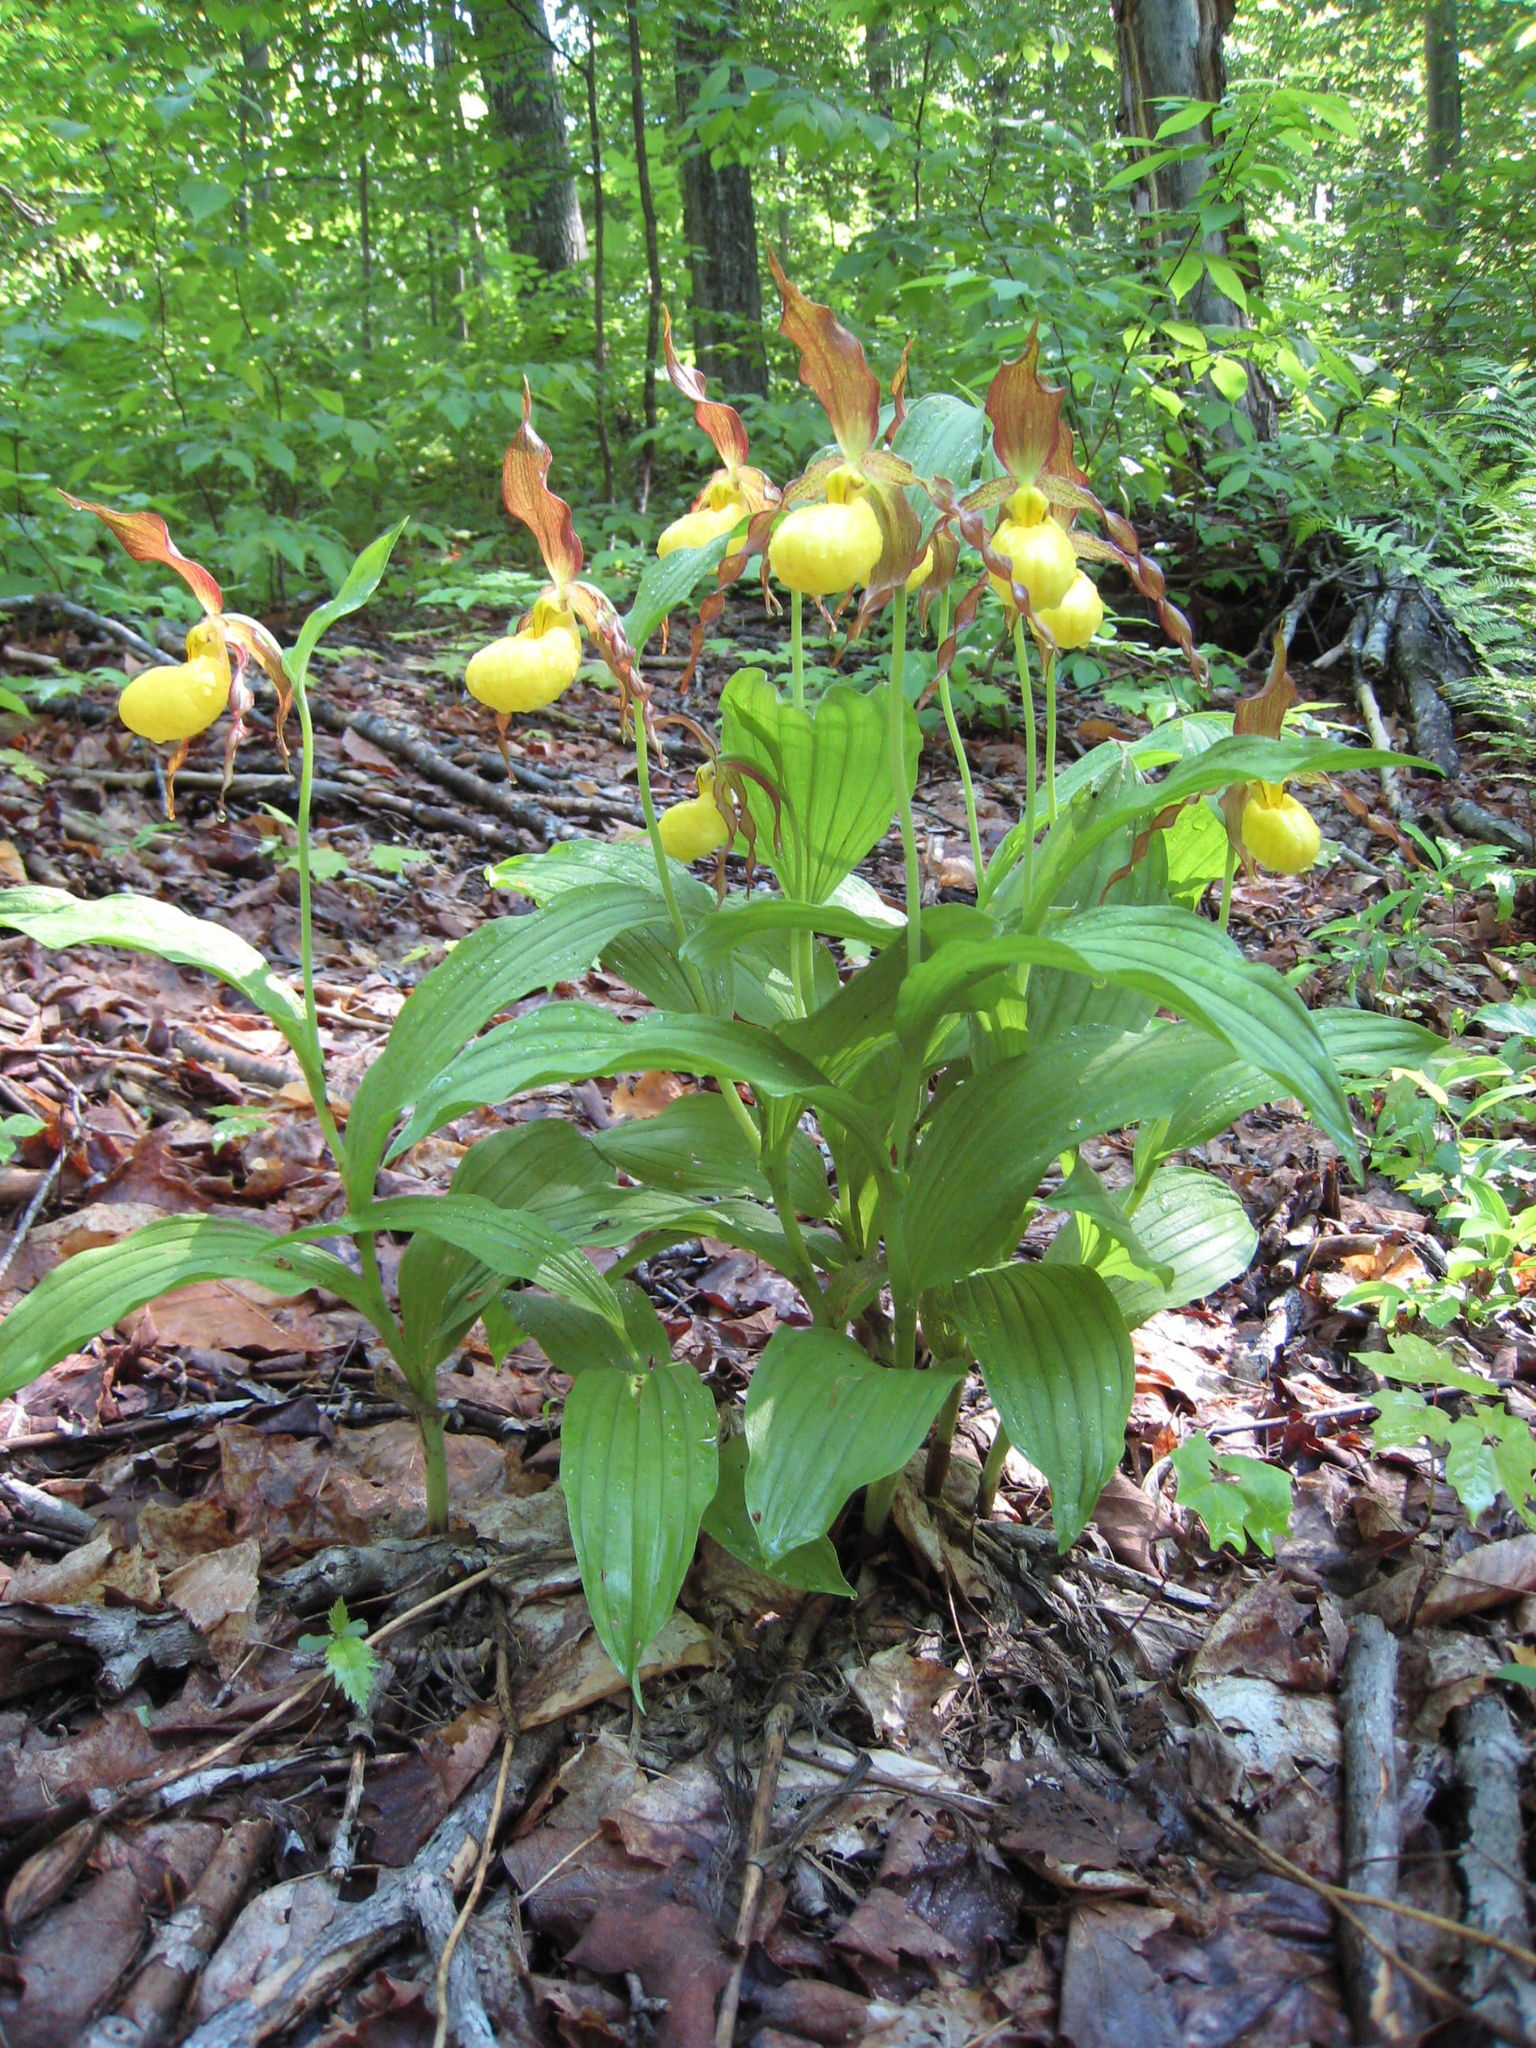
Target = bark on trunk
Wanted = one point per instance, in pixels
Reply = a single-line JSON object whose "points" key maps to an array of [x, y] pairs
{"points": [[720, 223], [652, 243], [1171, 49], [1442, 79], [517, 64]]}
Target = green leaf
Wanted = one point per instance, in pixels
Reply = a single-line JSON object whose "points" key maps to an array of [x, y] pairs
{"points": [[574, 1340], [1226, 280], [942, 436], [511, 1243], [362, 580], [696, 1147], [1229, 377], [1423, 1364], [142, 924], [94, 1290], [1190, 115], [1191, 1225], [830, 769], [1470, 1470], [494, 967], [573, 1041], [822, 1421], [1365, 1046], [1240, 1500], [202, 198], [668, 581], [813, 1568], [720, 936], [1056, 1357], [348, 1659], [639, 1465]]}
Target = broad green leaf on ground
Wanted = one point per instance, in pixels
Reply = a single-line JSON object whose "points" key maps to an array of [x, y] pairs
{"points": [[359, 584], [1194, 1229], [1241, 1500], [942, 436], [822, 1421], [830, 768], [511, 1243], [90, 1292], [1365, 1046], [639, 1465], [494, 967], [1056, 1357], [574, 1340], [813, 1568], [571, 1041], [143, 924]]}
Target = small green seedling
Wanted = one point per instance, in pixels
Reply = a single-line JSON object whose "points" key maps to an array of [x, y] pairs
{"points": [[1241, 1500], [347, 1656]]}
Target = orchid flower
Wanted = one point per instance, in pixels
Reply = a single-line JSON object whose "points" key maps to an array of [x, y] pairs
{"points": [[170, 705]]}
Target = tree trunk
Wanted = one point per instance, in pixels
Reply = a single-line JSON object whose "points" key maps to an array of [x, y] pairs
{"points": [[880, 81], [1171, 49], [720, 222], [599, 263], [517, 64], [652, 244], [1442, 77]]}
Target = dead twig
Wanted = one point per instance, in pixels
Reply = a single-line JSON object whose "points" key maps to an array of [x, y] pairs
{"points": [[1488, 1770], [363, 1931], [148, 2010], [776, 1729], [33, 1210], [1372, 1827]]}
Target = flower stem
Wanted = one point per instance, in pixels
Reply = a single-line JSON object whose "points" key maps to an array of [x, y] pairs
{"points": [[312, 1058], [663, 863], [1228, 875], [1048, 663], [991, 1473], [1031, 754], [941, 1443], [897, 710], [957, 744]]}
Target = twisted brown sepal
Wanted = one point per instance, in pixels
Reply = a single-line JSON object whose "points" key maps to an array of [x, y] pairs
{"points": [[176, 761], [252, 638], [145, 537], [603, 627], [899, 394], [241, 699], [1025, 413], [528, 497], [720, 421], [833, 365], [1263, 715]]}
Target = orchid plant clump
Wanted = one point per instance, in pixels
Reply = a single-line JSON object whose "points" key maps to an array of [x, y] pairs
{"points": [[884, 1094]]}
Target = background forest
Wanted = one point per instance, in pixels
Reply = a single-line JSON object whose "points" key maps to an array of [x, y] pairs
{"points": [[280, 273]]}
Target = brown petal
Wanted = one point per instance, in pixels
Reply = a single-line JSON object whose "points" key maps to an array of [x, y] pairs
{"points": [[528, 497], [145, 537], [833, 365], [720, 421], [1264, 712], [1025, 413]]}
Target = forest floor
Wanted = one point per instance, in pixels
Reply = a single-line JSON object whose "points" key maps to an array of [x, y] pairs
{"points": [[1020, 1798]]}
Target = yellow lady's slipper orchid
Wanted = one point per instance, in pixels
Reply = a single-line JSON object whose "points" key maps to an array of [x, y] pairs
{"points": [[175, 702], [1037, 550], [823, 550], [693, 829], [1279, 832], [180, 699], [723, 510], [1074, 621], [528, 669], [922, 572]]}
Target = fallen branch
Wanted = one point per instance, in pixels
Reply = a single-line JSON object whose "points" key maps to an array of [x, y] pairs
{"points": [[1372, 1830], [363, 1931], [1488, 827], [53, 601], [419, 753], [1488, 1770], [185, 1941]]}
